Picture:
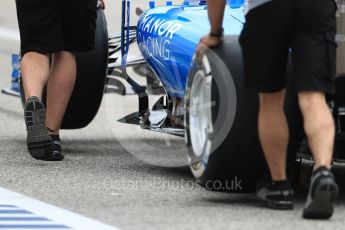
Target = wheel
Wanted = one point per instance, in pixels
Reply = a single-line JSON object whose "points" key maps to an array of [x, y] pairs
{"points": [[91, 77], [221, 123]]}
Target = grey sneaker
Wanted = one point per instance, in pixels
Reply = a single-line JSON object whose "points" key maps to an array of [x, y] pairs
{"points": [[39, 142], [323, 192]]}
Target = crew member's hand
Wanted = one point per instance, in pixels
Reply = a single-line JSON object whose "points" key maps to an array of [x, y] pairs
{"points": [[207, 42], [101, 4]]}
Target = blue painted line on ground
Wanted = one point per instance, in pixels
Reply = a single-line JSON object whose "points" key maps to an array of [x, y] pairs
{"points": [[20, 212], [15, 211], [24, 226], [23, 219], [7, 206]]}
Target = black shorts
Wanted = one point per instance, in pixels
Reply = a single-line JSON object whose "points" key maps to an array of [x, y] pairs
{"points": [[48, 26], [304, 28]]}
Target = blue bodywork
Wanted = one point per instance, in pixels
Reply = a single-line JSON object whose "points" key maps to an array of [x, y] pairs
{"points": [[167, 37]]}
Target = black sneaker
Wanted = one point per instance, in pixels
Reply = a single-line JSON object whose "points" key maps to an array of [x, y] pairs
{"points": [[276, 195], [39, 142], [57, 149], [323, 191]]}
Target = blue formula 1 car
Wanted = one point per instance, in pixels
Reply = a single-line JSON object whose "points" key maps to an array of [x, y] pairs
{"points": [[203, 101]]}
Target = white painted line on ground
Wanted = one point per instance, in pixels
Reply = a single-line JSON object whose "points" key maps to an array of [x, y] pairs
{"points": [[20, 212], [9, 34]]}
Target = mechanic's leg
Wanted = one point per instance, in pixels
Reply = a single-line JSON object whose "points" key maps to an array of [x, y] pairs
{"points": [[35, 72], [60, 87], [274, 133], [319, 126]]}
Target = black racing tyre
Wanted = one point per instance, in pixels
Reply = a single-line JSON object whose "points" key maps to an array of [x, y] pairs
{"points": [[221, 123], [91, 78], [339, 96]]}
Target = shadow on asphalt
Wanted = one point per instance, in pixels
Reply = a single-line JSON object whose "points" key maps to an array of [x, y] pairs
{"points": [[250, 200], [112, 146], [101, 147], [91, 146]]}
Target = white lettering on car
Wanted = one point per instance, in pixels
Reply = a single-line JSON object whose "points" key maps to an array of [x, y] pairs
{"points": [[148, 25], [155, 35], [173, 29], [156, 25], [164, 28], [143, 21]]}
